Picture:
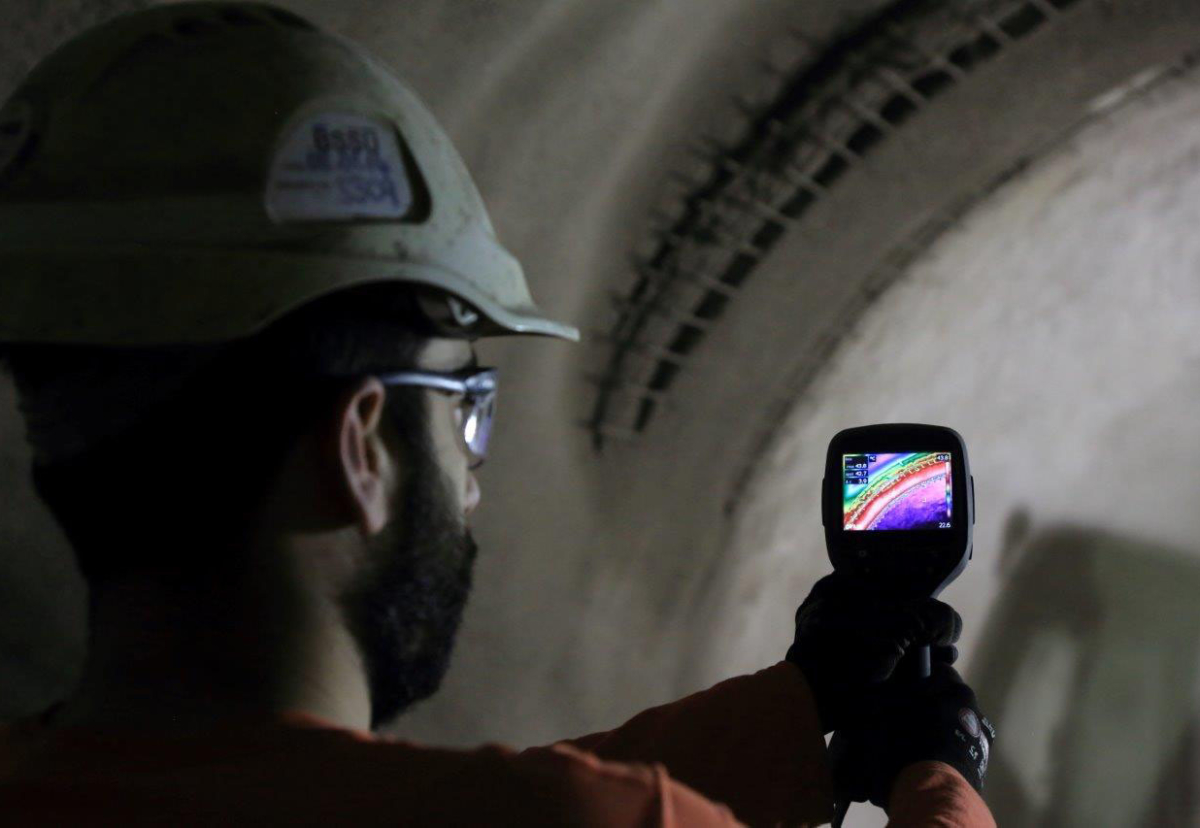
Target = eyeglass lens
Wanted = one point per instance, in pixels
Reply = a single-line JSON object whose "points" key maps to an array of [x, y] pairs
{"points": [[478, 426]]}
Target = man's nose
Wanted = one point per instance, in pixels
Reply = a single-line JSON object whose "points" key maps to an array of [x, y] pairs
{"points": [[473, 495]]}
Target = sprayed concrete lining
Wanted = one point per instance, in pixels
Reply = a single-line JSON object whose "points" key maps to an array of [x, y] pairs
{"points": [[1053, 326], [1057, 326]]}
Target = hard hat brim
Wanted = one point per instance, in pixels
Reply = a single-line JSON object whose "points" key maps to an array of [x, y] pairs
{"points": [[235, 294]]}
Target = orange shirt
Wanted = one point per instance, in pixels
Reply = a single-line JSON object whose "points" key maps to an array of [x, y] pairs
{"points": [[746, 751]]}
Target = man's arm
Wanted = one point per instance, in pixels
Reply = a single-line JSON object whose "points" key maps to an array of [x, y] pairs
{"points": [[753, 743], [707, 741], [756, 743], [935, 795]]}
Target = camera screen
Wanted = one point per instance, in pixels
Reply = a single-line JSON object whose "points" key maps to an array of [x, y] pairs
{"points": [[910, 490]]}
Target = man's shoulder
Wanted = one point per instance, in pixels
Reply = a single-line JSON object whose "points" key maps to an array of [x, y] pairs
{"points": [[554, 785], [333, 774], [556, 771], [557, 784]]}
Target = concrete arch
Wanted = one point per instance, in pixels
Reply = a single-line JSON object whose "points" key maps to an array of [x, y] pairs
{"points": [[608, 583]]}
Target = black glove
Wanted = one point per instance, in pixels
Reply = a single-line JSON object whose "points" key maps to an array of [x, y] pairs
{"points": [[850, 639], [934, 719]]}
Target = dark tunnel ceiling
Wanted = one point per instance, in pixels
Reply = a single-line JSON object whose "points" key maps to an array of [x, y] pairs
{"points": [[823, 120]]}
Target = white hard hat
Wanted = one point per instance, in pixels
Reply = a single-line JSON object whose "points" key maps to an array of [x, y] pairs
{"points": [[189, 173]]}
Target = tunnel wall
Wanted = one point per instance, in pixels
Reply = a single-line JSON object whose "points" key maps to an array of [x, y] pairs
{"points": [[611, 581], [1055, 326]]}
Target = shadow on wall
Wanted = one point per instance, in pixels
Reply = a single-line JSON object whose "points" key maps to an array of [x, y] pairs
{"points": [[1088, 662]]}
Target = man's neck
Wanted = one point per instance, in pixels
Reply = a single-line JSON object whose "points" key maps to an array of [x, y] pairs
{"points": [[185, 663]]}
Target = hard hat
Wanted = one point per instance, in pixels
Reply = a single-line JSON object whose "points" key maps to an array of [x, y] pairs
{"points": [[189, 173]]}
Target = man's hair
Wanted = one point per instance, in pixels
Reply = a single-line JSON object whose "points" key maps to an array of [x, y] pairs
{"points": [[179, 492]]}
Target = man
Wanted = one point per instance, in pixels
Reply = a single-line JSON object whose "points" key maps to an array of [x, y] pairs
{"points": [[241, 336]]}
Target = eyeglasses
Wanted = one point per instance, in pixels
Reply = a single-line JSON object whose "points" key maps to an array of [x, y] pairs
{"points": [[478, 387]]}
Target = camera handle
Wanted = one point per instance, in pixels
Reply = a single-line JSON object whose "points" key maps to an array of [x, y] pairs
{"points": [[913, 667]]}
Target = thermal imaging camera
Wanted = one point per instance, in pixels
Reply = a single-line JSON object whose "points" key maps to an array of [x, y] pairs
{"points": [[898, 504]]}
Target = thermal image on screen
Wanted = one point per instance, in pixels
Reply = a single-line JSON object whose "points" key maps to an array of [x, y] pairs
{"points": [[896, 491]]}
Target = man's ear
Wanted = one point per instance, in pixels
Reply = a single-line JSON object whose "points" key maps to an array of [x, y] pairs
{"points": [[364, 466]]}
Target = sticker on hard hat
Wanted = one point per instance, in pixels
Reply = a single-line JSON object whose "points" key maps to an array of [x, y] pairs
{"points": [[338, 166]]}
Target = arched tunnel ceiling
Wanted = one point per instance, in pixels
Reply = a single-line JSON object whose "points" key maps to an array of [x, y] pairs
{"points": [[1056, 323], [597, 132]]}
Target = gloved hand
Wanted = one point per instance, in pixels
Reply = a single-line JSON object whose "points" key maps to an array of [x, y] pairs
{"points": [[850, 639], [936, 719]]}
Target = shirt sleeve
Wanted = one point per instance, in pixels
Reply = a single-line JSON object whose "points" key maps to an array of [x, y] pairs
{"points": [[597, 793], [753, 743], [935, 795]]}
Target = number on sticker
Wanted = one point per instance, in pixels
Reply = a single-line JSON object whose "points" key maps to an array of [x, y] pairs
{"points": [[342, 141], [356, 189]]}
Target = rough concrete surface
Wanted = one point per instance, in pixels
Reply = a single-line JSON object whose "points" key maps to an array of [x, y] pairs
{"points": [[1054, 326]]}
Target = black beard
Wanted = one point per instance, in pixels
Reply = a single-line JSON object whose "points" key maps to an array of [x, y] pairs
{"points": [[406, 606]]}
